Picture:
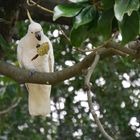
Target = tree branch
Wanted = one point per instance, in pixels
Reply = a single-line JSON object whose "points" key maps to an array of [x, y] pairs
{"points": [[91, 69], [100, 126], [41, 14], [10, 107], [87, 85], [26, 76], [17, 11], [32, 3]]}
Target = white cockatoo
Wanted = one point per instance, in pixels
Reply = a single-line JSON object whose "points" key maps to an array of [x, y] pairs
{"points": [[39, 94]]}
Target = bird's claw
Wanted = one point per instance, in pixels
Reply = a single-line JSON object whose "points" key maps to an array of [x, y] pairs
{"points": [[32, 73]]}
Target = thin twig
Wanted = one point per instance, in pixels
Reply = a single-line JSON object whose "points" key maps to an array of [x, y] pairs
{"points": [[32, 3], [29, 3], [87, 84], [10, 108], [91, 69], [121, 53], [94, 49], [29, 16], [100, 126], [115, 45], [64, 34]]}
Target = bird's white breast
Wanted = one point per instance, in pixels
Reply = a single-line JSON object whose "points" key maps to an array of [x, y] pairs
{"points": [[29, 50]]}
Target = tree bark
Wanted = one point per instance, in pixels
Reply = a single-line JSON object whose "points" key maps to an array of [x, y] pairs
{"points": [[27, 76], [13, 10], [17, 11]]}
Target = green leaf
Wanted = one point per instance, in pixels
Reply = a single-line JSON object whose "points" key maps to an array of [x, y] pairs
{"points": [[105, 23], [85, 16], [107, 4], [79, 35], [4, 43], [129, 27], [125, 6], [139, 20], [66, 10]]}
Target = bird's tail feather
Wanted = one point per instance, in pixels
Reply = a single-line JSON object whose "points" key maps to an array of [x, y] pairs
{"points": [[39, 99]]}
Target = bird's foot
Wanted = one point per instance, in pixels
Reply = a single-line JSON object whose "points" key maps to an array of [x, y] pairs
{"points": [[32, 73]]}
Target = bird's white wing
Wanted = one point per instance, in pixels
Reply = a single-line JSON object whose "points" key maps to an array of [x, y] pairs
{"points": [[20, 54], [51, 58]]}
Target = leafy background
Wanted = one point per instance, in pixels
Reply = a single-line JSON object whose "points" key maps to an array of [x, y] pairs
{"points": [[116, 80]]}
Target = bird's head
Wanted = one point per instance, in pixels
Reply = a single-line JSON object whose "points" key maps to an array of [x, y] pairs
{"points": [[35, 30]]}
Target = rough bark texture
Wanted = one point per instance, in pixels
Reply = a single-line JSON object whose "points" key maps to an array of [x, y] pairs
{"points": [[16, 11], [26, 76]]}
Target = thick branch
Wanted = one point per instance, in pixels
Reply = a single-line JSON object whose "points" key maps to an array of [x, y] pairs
{"points": [[26, 76], [42, 15], [13, 10]]}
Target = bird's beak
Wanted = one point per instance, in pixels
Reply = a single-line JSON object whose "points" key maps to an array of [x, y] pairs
{"points": [[38, 35]]}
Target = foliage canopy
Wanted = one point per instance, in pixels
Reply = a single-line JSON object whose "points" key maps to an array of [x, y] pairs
{"points": [[116, 80]]}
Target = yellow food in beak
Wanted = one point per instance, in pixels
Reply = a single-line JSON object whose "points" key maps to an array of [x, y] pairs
{"points": [[43, 49]]}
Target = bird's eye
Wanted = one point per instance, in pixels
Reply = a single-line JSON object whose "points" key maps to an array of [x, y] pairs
{"points": [[32, 32]]}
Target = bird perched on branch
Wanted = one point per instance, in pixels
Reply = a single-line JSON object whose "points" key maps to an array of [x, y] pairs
{"points": [[28, 48]]}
